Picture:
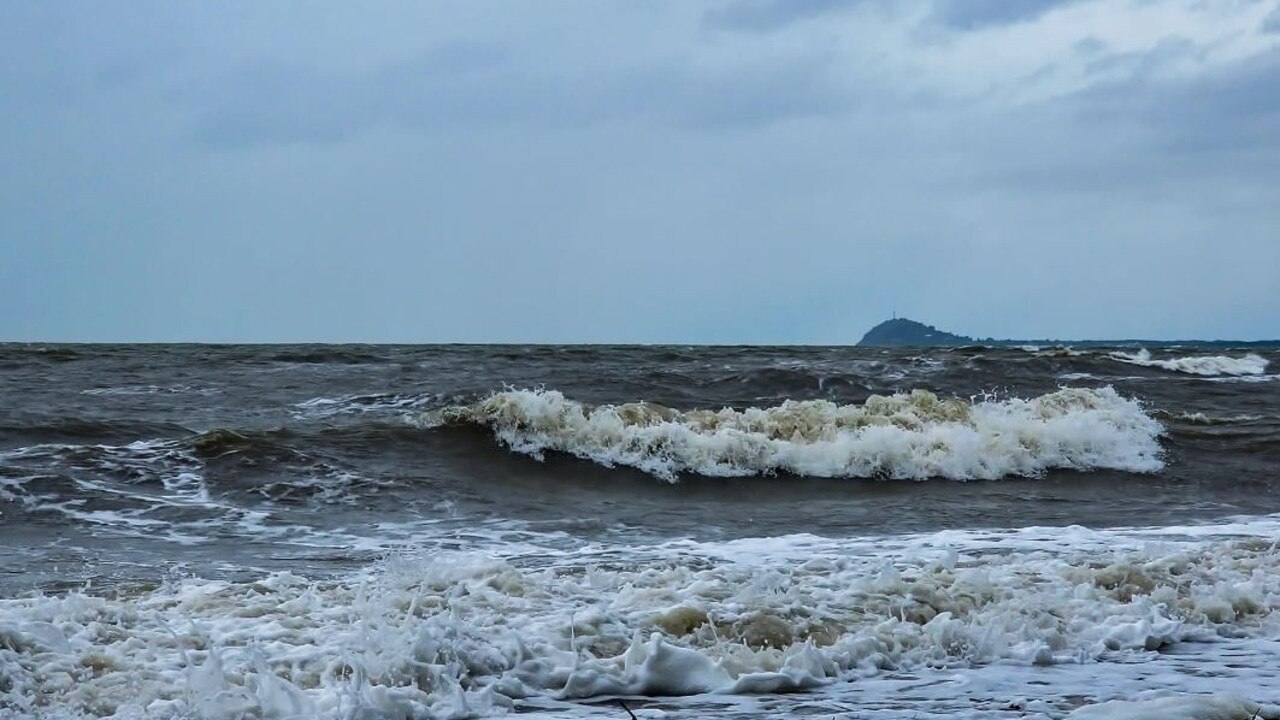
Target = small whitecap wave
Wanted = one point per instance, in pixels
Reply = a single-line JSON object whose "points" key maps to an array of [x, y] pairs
{"points": [[1246, 379], [1199, 418], [1250, 364], [904, 436], [1058, 351], [1075, 376], [326, 407], [133, 390]]}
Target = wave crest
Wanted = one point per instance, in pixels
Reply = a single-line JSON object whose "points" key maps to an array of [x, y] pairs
{"points": [[1250, 364], [904, 436]]}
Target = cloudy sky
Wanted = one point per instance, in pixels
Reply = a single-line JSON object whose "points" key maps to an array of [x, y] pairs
{"points": [[756, 171]]}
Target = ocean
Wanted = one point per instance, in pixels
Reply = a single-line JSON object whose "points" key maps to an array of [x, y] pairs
{"points": [[675, 532]]}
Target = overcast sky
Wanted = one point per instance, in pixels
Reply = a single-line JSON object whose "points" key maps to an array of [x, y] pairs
{"points": [[755, 171]]}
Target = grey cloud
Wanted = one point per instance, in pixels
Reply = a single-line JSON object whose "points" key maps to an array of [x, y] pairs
{"points": [[1239, 109], [769, 16], [978, 14], [1148, 135], [1090, 47], [762, 16], [1233, 108], [765, 16], [275, 103], [270, 105], [531, 190], [1150, 187], [1271, 23], [751, 96], [47, 62], [1139, 67]]}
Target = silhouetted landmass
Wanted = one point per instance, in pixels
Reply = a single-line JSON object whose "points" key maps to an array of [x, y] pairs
{"points": [[904, 332], [901, 332]]}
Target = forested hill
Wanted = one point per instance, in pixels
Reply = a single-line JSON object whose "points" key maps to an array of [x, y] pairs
{"points": [[901, 331]]}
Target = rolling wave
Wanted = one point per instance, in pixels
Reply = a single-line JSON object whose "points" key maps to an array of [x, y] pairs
{"points": [[904, 436], [1250, 364]]}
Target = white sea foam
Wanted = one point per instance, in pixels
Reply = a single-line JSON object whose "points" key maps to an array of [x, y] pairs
{"points": [[166, 495], [906, 436], [1213, 707], [1250, 364], [461, 635]]}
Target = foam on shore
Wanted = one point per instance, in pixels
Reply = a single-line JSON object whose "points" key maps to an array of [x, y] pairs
{"points": [[463, 635]]}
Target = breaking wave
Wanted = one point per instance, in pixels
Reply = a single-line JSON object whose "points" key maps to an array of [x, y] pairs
{"points": [[1250, 364], [905, 436]]}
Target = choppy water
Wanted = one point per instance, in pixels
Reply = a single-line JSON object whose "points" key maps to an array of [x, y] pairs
{"points": [[372, 531]]}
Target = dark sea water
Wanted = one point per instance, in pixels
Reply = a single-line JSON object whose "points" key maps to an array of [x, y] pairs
{"points": [[455, 531]]}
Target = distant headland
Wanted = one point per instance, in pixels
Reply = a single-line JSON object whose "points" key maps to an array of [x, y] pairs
{"points": [[901, 332]]}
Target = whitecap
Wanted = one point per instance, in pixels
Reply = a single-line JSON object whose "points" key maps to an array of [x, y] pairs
{"points": [[1250, 364], [904, 436]]}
